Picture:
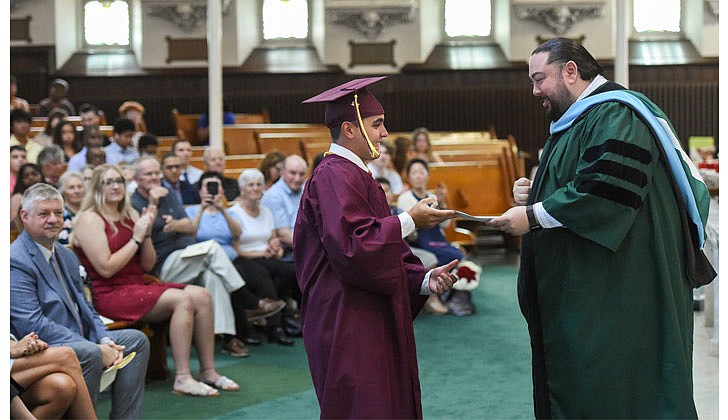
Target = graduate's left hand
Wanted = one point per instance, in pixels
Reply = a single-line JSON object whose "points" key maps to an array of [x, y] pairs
{"points": [[514, 221], [441, 278]]}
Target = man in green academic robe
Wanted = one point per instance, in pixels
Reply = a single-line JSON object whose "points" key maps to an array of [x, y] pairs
{"points": [[613, 225]]}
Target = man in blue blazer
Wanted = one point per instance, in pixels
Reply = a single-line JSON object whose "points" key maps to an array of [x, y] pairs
{"points": [[46, 297]]}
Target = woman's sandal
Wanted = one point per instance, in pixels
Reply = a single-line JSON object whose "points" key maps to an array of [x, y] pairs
{"points": [[201, 390], [224, 383]]}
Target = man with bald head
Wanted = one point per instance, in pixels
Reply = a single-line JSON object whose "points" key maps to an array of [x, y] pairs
{"points": [[215, 162], [283, 197]]}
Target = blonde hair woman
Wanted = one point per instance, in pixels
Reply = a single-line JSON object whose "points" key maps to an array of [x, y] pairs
{"points": [[116, 263]]}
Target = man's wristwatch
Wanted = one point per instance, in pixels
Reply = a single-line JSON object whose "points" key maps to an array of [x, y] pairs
{"points": [[533, 224]]}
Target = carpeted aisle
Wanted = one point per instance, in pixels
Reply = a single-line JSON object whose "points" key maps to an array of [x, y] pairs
{"points": [[475, 367]]}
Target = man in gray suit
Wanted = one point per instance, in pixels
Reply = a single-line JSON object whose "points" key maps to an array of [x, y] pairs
{"points": [[46, 297]]}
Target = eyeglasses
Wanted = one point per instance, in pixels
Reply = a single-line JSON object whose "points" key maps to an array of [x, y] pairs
{"points": [[110, 182], [171, 167]]}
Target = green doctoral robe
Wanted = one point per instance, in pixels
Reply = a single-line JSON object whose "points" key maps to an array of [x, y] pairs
{"points": [[607, 296]]}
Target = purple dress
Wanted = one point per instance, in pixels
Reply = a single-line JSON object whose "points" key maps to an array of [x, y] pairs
{"points": [[360, 284]]}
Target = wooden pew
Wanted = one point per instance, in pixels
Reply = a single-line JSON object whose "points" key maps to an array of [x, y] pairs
{"points": [[42, 121], [186, 124], [289, 143], [313, 149], [107, 130], [479, 188], [240, 139], [232, 161]]}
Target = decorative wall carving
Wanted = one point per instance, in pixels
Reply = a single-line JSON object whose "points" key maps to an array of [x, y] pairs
{"points": [[371, 17], [558, 17], [187, 15], [16, 4], [713, 7]]}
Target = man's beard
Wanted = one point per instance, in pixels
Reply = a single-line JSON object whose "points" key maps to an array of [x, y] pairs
{"points": [[559, 103]]}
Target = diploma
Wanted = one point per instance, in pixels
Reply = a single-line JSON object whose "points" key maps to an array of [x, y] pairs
{"points": [[108, 376], [466, 216]]}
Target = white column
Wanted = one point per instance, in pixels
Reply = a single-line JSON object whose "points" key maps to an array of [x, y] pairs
{"points": [[623, 28], [214, 71]]}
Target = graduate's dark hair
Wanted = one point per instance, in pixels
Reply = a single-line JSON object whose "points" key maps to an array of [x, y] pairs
{"points": [[562, 50], [417, 160]]}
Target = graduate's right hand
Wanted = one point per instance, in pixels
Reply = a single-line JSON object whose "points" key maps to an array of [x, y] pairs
{"points": [[521, 190], [426, 215]]}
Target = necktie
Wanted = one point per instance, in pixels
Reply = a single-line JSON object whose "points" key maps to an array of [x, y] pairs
{"points": [[66, 289]]}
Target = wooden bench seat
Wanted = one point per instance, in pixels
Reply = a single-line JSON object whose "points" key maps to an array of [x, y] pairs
{"points": [[232, 161], [290, 143]]}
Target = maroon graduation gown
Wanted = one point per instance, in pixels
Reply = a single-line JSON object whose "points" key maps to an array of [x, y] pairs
{"points": [[360, 284]]}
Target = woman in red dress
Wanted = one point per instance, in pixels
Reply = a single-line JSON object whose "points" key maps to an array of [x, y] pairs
{"points": [[116, 263]]}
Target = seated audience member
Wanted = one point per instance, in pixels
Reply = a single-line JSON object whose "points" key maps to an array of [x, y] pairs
{"points": [[90, 137], [134, 111], [122, 149], [422, 147], [212, 220], [17, 159], [19, 129], [189, 173], [284, 197], [57, 92], [215, 162], [95, 156], [429, 260], [50, 162], [179, 261], [72, 187], [45, 138], [228, 118], [116, 262], [66, 137], [49, 380], [28, 175], [433, 239], [171, 170], [148, 144], [91, 116], [403, 153], [381, 167], [87, 172], [271, 167], [46, 291], [15, 101], [260, 246]]}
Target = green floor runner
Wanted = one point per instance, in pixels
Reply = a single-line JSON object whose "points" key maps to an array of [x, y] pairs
{"points": [[475, 367]]}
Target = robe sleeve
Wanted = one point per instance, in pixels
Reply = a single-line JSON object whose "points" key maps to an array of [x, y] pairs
{"points": [[617, 154], [364, 250]]}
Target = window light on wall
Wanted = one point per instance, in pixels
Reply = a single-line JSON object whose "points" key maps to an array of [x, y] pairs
{"points": [[467, 18], [656, 15], [106, 22], [285, 19]]}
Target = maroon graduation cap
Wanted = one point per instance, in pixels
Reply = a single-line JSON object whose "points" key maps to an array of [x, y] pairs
{"points": [[349, 101]]}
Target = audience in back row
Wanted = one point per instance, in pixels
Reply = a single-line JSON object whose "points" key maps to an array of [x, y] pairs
{"points": [[57, 92], [121, 148], [56, 116], [17, 159], [66, 137], [15, 101], [19, 134]]}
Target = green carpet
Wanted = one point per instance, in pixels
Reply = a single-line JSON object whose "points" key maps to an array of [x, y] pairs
{"points": [[473, 367]]}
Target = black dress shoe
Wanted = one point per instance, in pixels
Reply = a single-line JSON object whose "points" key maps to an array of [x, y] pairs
{"points": [[292, 326], [252, 341], [278, 335]]}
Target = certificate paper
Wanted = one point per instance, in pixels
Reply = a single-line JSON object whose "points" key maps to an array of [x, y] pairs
{"points": [[481, 219], [108, 376]]}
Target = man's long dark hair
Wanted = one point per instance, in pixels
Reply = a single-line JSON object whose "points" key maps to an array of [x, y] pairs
{"points": [[562, 50]]}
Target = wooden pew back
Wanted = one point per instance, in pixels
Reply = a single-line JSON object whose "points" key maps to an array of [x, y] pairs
{"points": [[240, 139], [289, 143], [186, 124], [479, 188]]}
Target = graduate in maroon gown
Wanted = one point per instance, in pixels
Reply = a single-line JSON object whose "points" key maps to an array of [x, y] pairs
{"points": [[361, 284]]}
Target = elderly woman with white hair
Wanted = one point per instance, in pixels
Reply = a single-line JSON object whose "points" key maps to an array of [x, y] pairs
{"points": [[71, 186], [260, 245]]}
